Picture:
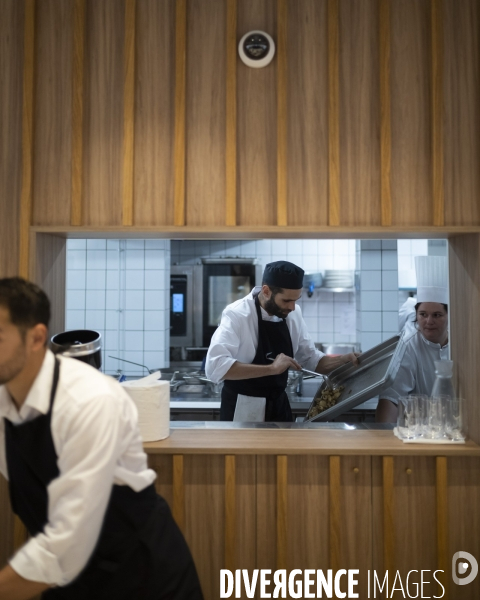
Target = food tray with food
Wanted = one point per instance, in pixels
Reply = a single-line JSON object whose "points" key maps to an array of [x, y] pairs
{"points": [[354, 384]]}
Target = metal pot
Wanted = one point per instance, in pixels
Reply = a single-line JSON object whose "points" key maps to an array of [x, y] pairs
{"points": [[82, 344]]}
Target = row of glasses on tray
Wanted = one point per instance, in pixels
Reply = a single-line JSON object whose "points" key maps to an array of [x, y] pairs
{"points": [[434, 418]]}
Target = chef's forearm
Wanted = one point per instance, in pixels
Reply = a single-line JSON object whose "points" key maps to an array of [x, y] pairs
{"points": [[14, 587], [328, 363], [247, 371]]}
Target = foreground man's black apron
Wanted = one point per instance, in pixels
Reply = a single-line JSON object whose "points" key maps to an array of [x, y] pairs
{"points": [[140, 553], [273, 339]]}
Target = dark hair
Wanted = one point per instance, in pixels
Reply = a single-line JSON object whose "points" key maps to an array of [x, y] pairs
{"points": [[275, 290], [417, 306], [27, 304]]}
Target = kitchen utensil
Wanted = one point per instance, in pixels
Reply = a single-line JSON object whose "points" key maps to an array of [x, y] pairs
{"points": [[133, 363], [82, 344], [376, 370], [327, 381]]}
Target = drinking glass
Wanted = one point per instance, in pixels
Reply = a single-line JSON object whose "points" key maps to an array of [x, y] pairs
{"points": [[436, 416], [455, 424], [420, 415], [405, 423]]}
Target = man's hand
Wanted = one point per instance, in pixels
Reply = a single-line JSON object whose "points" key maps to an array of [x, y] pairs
{"points": [[329, 363], [14, 587], [283, 362]]}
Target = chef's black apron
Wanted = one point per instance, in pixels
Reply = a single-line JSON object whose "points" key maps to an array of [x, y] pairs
{"points": [[273, 339], [140, 553]]}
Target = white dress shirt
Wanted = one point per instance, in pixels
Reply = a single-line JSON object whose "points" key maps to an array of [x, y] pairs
{"points": [[98, 444], [416, 374], [236, 338]]}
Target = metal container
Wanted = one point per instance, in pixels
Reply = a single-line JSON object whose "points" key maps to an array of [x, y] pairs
{"points": [[82, 344], [375, 372]]}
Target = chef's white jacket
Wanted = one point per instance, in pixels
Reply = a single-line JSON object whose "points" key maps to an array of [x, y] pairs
{"points": [[98, 444], [236, 338], [416, 374]]}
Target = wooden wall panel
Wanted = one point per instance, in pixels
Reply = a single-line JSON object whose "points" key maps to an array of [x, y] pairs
{"points": [[204, 479], [257, 123], [52, 152], [103, 114], [206, 112], [11, 71], [307, 113], [464, 255], [462, 113], [266, 521], [411, 180], [359, 113], [154, 112]]}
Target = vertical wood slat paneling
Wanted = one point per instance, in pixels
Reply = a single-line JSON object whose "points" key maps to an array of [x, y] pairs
{"points": [[178, 508], [79, 17], [230, 512], [282, 19], [282, 488], [333, 115], [388, 515], [442, 521], [438, 115], [27, 136], [180, 110], [385, 122], [334, 512], [128, 113], [231, 116]]}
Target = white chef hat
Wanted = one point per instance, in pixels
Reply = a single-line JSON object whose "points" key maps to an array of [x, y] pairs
{"points": [[432, 279]]}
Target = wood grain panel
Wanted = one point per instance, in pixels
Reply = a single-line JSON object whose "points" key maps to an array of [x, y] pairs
{"points": [[27, 135], [333, 113], [411, 113], [180, 104], [204, 525], [231, 115], [443, 558], [308, 509], [282, 115], [385, 113], [128, 112], [230, 512], [78, 78], [307, 182], [355, 503], [53, 113], [462, 114], [463, 519], [266, 521], [206, 113], [282, 508], [103, 114], [334, 512], [438, 112], [388, 513], [360, 193], [178, 483], [11, 72], [464, 258], [257, 124], [245, 516], [414, 516], [163, 467], [154, 112]]}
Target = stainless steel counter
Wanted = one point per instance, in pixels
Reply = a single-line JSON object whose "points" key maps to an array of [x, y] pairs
{"points": [[241, 425]]}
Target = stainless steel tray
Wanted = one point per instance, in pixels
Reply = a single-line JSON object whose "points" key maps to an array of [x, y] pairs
{"points": [[375, 372]]}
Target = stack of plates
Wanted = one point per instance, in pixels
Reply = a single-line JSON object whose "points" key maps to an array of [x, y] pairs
{"points": [[336, 278]]}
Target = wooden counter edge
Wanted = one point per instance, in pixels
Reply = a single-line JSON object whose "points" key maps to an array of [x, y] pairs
{"points": [[289, 442]]}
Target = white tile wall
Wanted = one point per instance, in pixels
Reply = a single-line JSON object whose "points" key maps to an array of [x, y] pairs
{"points": [[330, 317], [121, 289]]}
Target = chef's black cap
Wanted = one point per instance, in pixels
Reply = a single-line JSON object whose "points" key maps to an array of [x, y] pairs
{"points": [[284, 275]]}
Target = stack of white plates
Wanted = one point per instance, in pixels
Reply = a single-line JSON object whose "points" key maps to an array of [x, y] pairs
{"points": [[337, 278]]}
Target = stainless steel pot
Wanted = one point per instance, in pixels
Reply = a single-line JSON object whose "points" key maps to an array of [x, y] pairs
{"points": [[82, 344]]}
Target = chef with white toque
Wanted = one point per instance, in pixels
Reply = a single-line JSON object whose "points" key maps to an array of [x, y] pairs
{"points": [[260, 338], [426, 342]]}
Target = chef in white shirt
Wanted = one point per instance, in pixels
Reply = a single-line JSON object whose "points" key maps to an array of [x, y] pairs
{"points": [[78, 478], [260, 338], [426, 342]]}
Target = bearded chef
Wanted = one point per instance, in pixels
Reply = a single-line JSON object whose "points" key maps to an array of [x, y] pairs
{"points": [[260, 338], [78, 478], [426, 340]]}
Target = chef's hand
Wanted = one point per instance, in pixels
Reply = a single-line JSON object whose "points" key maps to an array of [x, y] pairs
{"points": [[283, 362], [351, 357], [329, 363]]}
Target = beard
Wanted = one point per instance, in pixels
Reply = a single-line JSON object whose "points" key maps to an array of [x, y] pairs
{"points": [[273, 309], [12, 367]]}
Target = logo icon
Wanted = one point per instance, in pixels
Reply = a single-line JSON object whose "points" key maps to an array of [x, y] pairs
{"points": [[462, 567]]}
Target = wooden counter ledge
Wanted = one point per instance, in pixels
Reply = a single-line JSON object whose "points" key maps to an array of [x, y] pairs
{"points": [[290, 442]]}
